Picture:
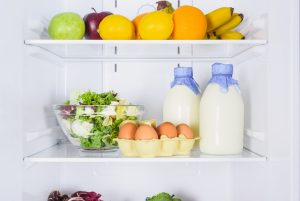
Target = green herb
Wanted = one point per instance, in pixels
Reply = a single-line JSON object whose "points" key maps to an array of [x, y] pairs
{"points": [[163, 197], [93, 98]]}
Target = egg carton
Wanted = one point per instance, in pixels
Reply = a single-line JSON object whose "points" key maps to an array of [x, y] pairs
{"points": [[156, 147]]}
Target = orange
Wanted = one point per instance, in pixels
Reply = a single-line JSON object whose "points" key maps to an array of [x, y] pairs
{"points": [[189, 23], [136, 21]]}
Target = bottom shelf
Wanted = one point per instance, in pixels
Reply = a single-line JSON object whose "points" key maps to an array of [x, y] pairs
{"points": [[66, 152]]}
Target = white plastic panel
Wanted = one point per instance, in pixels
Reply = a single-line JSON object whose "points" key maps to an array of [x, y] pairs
{"points": [[252, 74], [39, 180], [43, 86], [83, 76]]}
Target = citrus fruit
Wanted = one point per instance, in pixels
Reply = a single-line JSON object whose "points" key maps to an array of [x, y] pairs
{"points": [[66, 26], [136, 21], [189, 23], [156, 25], [116, 27]]}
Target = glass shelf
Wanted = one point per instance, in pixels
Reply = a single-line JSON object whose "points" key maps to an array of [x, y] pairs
{"points": [[67, 153], [111, 50]]}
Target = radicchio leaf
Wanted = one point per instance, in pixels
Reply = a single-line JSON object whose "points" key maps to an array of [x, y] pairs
{"points": [[54, 196], [76, 199], [87, 196]]}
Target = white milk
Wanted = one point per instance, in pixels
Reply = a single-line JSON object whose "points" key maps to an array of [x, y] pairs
{"points": [[182, 106], [221, 120]]}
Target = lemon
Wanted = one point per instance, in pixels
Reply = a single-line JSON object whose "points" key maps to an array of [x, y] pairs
{"points": [[156, 25], [116, 27]]}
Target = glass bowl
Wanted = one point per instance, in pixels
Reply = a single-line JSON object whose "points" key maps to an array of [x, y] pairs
{"points": [[95, 127]]}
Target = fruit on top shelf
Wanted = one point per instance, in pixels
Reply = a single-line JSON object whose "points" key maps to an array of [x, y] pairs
{"points": [[77, 196], [189, 23], [221, 22], [232, 35], [218, 17], [161, 28], [92, 21], [162, 197], [66, 26], [136, 21], [157, 25], [235, 20], [210, 36], [165, 6], [116, 27], [184, 23]]}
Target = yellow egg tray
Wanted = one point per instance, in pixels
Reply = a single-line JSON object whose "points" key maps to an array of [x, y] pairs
{"points": [[156, 148]]}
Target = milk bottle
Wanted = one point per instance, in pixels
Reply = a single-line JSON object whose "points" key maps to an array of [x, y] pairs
{"points": [[221, 113], [181, 104]]}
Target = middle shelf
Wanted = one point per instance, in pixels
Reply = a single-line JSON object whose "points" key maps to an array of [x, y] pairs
{"points": [[67, 153]]}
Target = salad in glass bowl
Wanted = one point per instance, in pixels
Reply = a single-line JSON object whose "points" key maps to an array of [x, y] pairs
{"points": [[91, 120]]}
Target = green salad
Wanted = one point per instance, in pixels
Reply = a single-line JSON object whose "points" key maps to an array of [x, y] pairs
{"points": [[93, 119]]}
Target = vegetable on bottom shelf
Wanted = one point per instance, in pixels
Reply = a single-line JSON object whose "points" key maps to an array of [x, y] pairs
{"points": [[77, 196], [93, 196], [163, 197]]}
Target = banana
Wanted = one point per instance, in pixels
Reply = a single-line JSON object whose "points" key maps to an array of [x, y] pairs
{"points": [[235, 20], [210, 36], [218, 17], [232, 35]]}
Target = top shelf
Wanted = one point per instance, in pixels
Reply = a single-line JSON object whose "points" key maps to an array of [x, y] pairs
{"points": [[145, 49]]}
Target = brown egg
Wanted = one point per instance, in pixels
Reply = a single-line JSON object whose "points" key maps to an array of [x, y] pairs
{"points": [[185, 130], [167, 129], [127, 131], [145, 132]]}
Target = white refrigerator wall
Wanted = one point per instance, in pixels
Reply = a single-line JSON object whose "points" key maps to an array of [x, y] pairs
{"points": [[11, 62], [266, 75]]}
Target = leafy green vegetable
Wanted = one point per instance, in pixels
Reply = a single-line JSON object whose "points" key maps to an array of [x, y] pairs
{"points": [[95, 120], [103, 136], [163, 197], [93, 98]]}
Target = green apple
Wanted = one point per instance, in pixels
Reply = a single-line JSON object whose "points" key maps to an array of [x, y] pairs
{"points": [[66, 26]]}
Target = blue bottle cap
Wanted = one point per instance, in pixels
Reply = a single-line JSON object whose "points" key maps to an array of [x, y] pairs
{"points": [[222, 69], [183, 72], [184, 76], [222, 75]]}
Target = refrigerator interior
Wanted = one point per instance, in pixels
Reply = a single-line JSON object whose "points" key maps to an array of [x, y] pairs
{"points": [[52, 71]]}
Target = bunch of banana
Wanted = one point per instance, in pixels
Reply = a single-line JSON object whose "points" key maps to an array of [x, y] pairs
{"points": [[221, 22]]}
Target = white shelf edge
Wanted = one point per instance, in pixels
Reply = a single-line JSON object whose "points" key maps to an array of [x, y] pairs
{"points": [[140, 160], [141, 42], [46, 157]]}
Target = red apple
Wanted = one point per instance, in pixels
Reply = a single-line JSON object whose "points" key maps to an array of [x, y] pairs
{"points": [[92, 21]]}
